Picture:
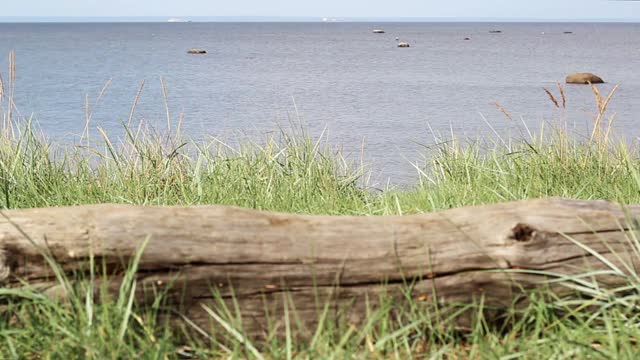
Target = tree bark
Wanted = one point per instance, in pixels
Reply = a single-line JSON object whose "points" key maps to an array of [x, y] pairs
{"points": [[258, 261]]}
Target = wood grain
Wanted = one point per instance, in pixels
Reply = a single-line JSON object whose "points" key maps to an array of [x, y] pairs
{"points": [[208, 253]]}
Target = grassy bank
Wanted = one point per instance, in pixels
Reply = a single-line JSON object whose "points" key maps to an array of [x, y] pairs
{"points": [[294, 172]]}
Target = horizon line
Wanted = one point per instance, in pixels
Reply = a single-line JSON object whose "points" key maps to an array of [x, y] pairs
{"points": [[319, 19]]}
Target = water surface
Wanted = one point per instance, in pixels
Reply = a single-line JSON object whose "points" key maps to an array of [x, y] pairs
{"points": [[338, 76]]}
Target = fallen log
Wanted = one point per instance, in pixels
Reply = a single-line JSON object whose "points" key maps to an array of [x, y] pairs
{"points": [[252, 258]]}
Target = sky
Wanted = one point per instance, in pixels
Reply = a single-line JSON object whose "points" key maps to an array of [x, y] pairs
{"points": [[507, 9]]}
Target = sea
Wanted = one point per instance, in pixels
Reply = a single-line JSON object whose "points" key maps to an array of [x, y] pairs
{"points": [[380, 104]]}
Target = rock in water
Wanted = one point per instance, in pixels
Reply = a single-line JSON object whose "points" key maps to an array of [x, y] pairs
{"points": [[583, 78], [196, 51]]}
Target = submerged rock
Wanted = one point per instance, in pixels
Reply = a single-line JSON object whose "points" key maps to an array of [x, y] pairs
{"points": [[196, 51], [495, 31], [583, 78]]}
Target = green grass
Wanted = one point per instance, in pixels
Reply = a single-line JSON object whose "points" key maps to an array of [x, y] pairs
{"points": [[293, 172], [555, 166], [290, 173]]}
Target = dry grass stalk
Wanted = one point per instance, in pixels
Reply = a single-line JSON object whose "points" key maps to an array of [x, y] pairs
{"points": [[89, 111], [598, 96], [503, 110], [602, 103], [135, 103], [87, 118], [553, 98], [562, 95], [2, 97], [179, 126], [2, 91], [607, 134], [8, 123], [165, 97], [12, 72]]}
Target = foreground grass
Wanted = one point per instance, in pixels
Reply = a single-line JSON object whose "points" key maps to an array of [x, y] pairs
{"points": [[293, 172], [41, 328]]}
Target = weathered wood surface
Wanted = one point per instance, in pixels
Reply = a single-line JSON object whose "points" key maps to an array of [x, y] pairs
{"points": [[261, 255]]}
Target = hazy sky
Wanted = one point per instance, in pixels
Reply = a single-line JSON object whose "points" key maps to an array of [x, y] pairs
{"points": [[546, 9]]}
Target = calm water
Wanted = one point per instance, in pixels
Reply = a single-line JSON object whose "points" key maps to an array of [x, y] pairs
{"points": [[341, 76]]}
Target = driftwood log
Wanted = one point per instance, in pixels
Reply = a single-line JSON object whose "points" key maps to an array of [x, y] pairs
{"points": [[208, 253]]}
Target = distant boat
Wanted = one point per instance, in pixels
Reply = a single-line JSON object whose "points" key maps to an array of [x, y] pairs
{"points": [[178, 20]]}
